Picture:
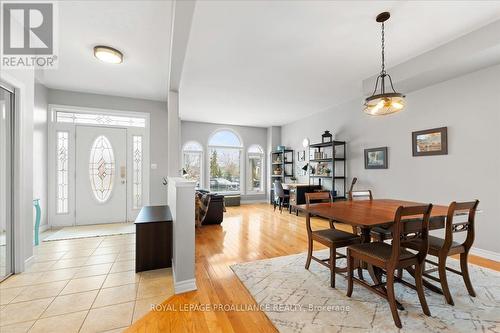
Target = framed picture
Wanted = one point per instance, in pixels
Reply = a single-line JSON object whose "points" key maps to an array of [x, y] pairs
{"points": [[430, 142], [301, 156], [376, 158]]}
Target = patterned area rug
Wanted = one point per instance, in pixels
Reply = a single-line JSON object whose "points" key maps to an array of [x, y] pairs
{"points": [[298, 300]]}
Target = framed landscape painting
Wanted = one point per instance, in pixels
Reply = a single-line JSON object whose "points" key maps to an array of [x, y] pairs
{"points": [[376, 158], [430, 142]]}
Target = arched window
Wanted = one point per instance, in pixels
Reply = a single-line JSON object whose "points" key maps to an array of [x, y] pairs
{"points": [[255, 169], [225, 153], [192, 161]]}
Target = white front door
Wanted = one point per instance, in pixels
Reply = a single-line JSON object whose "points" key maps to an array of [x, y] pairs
{"points": [[101, 175]]}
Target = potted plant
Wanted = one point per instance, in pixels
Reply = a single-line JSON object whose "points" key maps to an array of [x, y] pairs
{"points": [[327, 171]]}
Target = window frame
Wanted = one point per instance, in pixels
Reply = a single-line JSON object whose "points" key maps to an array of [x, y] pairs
{"points": [[242, 168], [249, 179], [195, 152]]}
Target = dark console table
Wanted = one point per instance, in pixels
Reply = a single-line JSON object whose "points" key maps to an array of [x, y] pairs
{"points": [[153, 246]]}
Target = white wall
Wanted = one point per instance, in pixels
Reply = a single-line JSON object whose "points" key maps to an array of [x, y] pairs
{"points": [[200, 132], [468, 106], [24, 82], [40, 150], [158, 131]]}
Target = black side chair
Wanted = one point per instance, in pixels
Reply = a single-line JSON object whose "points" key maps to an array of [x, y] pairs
{"points": [[280, 198]]}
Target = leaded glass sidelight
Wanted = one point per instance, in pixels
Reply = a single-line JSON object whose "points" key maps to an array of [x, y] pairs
{"points": [[101, 168], [137, 171], [62, 172]]}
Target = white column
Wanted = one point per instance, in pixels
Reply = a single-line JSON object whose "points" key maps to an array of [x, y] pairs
{"points": [[181, 203], [174, 133]]}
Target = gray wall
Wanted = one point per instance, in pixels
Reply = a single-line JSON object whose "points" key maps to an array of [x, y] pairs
{"points": [[40, 189], [200, 132], [468, 106], [158, 133]]}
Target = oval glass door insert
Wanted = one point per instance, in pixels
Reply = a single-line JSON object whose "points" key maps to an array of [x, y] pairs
{"points": [[101, 168]]}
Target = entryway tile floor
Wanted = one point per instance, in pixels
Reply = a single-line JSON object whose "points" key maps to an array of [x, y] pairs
{"points": [[81, 285]]}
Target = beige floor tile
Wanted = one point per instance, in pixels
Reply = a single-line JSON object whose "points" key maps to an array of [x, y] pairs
{"points": [[122, 266], [165, 273], [20, 280], [106, 250], [7, 295], [93, 270], [155, 287], [117, 330], [17, 327], [84, 284], [78, 254], [40, 266], [69, 263], [101, 259], [48, 256], [115, 295], [23, 311], [121, 278], [128, 255], [143, 306], [67, 323], [71, 303], [42, 290], [58, 275], [108, 317]]}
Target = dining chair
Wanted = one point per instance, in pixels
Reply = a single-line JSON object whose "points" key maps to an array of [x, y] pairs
{"points": [[280, 198], [332, 238], [378, 233], [443, 248], [391, 257]]}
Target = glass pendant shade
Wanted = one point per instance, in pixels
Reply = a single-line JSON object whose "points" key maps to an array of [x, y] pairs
{"points": [[383, 104]]}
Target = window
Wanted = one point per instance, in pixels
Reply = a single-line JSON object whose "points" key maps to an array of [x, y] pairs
{"points": [[137, 171], [255, 169], [99, 119], [101, 168], [224, 154], [62, 172], [192, 157]]}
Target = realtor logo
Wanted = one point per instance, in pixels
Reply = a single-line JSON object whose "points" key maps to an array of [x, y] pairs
{"points": [[28, 34]]}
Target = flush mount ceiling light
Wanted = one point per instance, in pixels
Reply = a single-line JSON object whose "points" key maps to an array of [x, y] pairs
{"points": [[108, 54], [381, 102]]}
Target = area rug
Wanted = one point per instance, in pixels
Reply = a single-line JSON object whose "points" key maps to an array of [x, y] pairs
{"points": [[96, 230], [298, 300]]}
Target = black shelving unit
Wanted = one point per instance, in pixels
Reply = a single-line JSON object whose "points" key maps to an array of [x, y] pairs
{"points": [[335, 160], [283, 160]]}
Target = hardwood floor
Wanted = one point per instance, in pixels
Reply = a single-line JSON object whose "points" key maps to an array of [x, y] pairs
{"points": [[248, 233]]}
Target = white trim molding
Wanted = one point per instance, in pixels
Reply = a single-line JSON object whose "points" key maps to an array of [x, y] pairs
{"points": [[183, 286], [485, 254]]}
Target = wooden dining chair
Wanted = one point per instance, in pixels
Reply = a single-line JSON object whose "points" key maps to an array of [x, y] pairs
{"points": [[360, 195], [332, 238], [280, 198], [378, 233], [391, 257], [443, 248]]}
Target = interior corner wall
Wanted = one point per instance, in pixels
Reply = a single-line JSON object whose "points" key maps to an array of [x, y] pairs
{"points": [[40, 162], [467, 105], [201, 132], [158, 129]]}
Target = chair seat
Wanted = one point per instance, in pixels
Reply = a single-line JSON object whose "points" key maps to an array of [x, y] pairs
{"points": [[435, 245], [335, 236], [381, 233], [379, 250]]}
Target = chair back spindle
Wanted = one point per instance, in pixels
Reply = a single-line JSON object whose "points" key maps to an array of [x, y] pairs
{"points": [[451, 227]]}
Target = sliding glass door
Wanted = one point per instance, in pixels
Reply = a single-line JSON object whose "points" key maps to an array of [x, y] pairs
{"points": [[6, 148]]}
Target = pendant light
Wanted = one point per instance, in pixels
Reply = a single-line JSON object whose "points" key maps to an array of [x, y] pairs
{"points": [[381, 102]]}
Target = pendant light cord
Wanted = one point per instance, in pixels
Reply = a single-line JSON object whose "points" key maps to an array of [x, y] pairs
{"points": [[383, 49]]}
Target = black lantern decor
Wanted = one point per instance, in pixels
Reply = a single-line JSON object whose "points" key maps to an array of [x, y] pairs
{"points": [[326, 137]]}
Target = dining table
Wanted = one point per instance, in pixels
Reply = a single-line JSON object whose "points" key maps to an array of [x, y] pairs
{"points": [[367, 214]]}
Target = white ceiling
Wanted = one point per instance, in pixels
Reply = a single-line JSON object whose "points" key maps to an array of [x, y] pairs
{"points": [[140, 29], [268, 63]]}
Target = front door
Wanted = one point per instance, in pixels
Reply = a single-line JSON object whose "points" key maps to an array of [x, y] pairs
{"points": [[101, 179]]}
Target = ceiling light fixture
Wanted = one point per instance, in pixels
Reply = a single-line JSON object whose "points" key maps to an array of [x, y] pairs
{"points": [[383, 103], [108, 54]]}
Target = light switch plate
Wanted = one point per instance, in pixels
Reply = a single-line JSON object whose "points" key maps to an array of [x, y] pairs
{"points": [[154, 166]]}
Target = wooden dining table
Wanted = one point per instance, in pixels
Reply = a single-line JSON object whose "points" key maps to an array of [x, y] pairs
{"points": [[367, 214]]}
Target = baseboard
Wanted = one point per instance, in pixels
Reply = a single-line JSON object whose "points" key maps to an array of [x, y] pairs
{"points": [[248, 202], [485, 254], [183, 286], [28, 261], [44, 227]]}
